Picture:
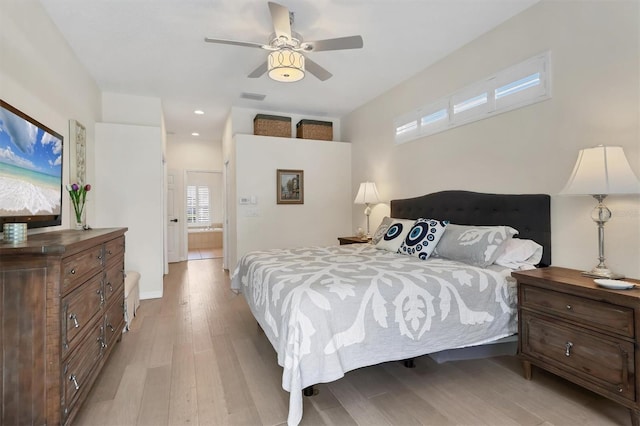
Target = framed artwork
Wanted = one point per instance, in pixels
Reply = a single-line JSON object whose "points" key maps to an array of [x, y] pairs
{"points": [[77, 153], [290, 186]]}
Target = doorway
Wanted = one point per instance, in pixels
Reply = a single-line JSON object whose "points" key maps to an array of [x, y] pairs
{"points": [[204, 214]]}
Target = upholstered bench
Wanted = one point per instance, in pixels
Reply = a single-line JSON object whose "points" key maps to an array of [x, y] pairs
{"points": [[131, 296]]}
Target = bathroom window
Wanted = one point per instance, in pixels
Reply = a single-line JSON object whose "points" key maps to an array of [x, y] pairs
{"points": [[198, 205]]}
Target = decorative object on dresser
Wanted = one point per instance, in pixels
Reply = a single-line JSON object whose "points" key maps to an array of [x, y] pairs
{"points": [[367, 195], [588, 335], [14, 233], [601, 171], [62, 304], [290, 186], [78, 195], [353, 240]]}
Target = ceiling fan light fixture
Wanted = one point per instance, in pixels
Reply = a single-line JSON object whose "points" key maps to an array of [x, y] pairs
{"points": [[286, 65]]}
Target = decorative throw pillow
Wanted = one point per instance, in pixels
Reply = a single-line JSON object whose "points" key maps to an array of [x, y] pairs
{"points": [[423, 238], [382, 229], [475, 245], [397, 231]]}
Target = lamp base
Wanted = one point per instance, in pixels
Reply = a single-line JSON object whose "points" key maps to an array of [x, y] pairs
{"points": [[603, 273]]}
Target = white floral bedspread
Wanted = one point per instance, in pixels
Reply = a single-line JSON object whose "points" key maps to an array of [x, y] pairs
{"points": [[329, 310]]}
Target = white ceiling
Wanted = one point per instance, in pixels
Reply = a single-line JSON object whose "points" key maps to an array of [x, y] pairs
{"points": [[156, 48]]}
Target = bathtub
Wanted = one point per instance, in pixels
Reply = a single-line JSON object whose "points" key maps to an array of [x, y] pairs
{"points": [[202, 238]]}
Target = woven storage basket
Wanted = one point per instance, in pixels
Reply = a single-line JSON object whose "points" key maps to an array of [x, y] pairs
{"points": [[312, 129], [272, 125]]}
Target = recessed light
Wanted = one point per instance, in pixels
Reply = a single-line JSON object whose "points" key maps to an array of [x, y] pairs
{"points": [[195, 134], [198, 112]]}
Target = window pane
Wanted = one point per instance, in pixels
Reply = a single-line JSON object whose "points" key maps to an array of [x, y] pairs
{"points": [[518, 85], [470, 103], [434, 117], [406, 128]]}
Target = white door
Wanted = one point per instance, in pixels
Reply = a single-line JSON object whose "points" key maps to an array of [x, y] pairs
{"points": [[173, 217]]}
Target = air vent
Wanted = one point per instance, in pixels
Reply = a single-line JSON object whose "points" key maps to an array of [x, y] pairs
{"points": [[252, 96]]}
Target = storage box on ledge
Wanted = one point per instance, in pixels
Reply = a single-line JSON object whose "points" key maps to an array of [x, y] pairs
{"points": [[313, 129], [272, 125]]}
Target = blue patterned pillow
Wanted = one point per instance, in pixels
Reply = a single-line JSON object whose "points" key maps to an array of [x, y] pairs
{"points": [[423, 237], [395, 235]]}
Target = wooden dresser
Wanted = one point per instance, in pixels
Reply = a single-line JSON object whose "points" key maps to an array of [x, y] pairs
{"points": [[584, 333], [61, 301]]}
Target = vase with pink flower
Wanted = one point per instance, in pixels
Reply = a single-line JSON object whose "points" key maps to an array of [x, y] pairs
{"points": [[78, 194]]}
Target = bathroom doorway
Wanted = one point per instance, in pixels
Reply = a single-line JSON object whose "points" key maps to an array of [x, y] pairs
{"points": [[204, 195]]}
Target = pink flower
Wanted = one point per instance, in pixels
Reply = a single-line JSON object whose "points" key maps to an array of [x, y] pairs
{"points": [[87, 187]]}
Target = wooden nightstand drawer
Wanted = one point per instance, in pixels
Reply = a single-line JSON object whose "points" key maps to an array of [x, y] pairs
{"points": [[606, 363], [589, 313]]}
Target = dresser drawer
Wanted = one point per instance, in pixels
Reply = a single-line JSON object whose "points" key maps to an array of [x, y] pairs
{"points": [[114, 249], [79, 308], [114, 280], [80, 370], [589, 313], [114, 320], [604, 364], [77, 269]]}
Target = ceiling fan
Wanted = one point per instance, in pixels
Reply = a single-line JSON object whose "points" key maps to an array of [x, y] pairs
{"points": [[286, 61]]}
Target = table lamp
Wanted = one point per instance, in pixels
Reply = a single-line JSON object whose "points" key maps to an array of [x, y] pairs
{"points": [[367, 194], [598, 172]]}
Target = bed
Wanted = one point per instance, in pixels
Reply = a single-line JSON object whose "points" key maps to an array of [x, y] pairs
{"points": [[330, 310]]}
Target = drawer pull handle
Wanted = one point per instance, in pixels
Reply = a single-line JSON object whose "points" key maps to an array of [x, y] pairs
{"points": [[103, 345], [73, 271], [113, 330], [108, 251], [74, 318], [110, 287], [620, 389], [72, 378], [101, 294], [568, 307], [567, 348]]}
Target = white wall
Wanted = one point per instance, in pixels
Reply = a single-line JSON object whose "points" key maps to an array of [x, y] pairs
{"points": [[325, 214], [129, 176], [130, 182], [595, 71], [40, 75]]}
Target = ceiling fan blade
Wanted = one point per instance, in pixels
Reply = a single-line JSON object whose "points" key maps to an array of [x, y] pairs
{"points": [[316, 70], [341, 43], [233, 42], [258, 71], [280, 18]]}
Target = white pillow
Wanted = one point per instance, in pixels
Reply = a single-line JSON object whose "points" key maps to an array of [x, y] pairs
{"points": [[395, 235], [520, 254]]}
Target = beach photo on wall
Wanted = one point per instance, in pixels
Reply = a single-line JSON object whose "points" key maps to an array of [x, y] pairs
{"points": [[30, 166]]}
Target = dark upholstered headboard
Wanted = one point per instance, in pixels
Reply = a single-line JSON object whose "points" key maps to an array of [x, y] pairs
{"points": [[530, 214]]}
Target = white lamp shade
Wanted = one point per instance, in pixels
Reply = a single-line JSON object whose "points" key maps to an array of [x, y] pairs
{"points": [[367, 194], [602, 170], [286, 65]]}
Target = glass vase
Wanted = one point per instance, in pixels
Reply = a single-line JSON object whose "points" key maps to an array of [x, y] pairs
{"points": [[79, 220]]}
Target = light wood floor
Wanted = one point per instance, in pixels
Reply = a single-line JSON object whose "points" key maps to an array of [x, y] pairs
{"points": [[204, 253], [196, 357]]}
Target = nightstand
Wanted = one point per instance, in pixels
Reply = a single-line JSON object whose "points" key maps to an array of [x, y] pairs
{"points": [[353, 240], [586, 334]]}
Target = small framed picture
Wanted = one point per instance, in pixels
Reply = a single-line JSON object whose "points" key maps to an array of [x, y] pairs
{"points": [[290, 186]]}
